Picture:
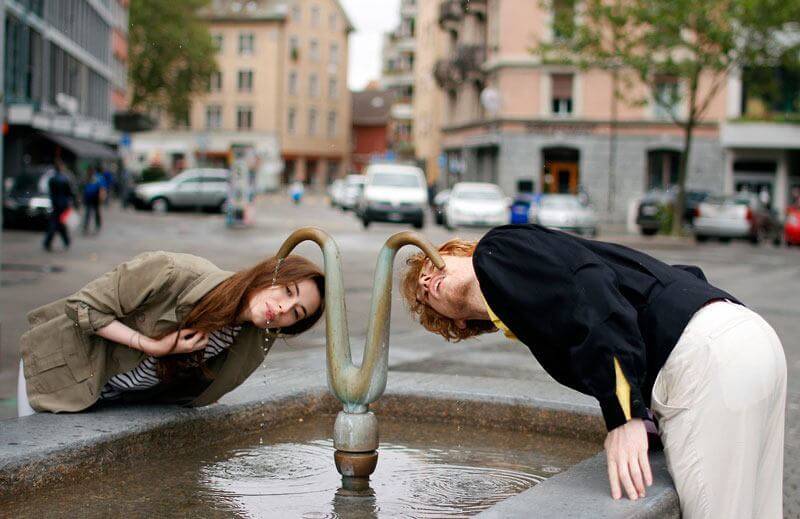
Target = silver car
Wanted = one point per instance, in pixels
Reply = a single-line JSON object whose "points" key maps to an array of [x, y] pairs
{"points": [[192, 189], [741, 215], [351, 193], [566, 213]]}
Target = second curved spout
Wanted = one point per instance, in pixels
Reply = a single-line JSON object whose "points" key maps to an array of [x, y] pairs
{"points": [[358, 386]]}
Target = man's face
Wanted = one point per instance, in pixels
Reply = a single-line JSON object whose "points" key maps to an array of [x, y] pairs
{"points": [[446, 291]]}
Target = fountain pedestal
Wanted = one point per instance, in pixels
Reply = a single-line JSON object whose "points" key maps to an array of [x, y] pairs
{"points": [[355, 438]]}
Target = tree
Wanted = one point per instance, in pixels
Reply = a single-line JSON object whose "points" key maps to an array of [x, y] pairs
{"points": [[681, 51], [171, 56]]}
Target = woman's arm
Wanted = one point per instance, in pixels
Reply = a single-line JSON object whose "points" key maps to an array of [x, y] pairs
{"points": [[181, 341]]}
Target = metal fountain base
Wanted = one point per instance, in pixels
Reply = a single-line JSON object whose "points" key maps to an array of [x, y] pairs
{"points": [[355, 437]]}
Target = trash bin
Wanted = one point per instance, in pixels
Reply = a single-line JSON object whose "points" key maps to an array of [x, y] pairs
{"points": [[519, 211]]}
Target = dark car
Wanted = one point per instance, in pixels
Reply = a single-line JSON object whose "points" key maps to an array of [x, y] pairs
{"points": [[439, 203], [26, 204], [652, 207]]}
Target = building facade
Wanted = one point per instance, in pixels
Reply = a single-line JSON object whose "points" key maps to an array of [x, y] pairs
{"points": [[65, 74], [370, 126], [530, 126], [399, 58], [281, 90]]}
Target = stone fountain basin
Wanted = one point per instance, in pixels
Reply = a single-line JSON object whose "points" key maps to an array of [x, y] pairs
{"points": [[39, 450]]}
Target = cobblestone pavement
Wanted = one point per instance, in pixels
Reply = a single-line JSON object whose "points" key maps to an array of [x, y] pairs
{"points": [[766, 278]]}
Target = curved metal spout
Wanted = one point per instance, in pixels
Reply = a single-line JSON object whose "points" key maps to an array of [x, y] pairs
{"points": [[358, 386]]}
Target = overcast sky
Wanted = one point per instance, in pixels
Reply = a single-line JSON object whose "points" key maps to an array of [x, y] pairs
{"points": [[371, 18]]}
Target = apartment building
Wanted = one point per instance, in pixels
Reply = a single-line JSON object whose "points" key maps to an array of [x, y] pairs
{"points": [[281, 91], [399, 54], [370, 132], [64, 76], [530, 126]]}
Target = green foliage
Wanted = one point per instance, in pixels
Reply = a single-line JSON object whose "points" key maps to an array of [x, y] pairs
{"points": [[153, 174], [171, 55], [682, 51]]}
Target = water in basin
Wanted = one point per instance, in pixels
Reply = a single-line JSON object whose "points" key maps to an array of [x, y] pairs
{"points": [[424, 470]]}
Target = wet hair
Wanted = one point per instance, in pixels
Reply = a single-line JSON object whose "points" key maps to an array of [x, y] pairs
{"points": [[429, 318], [223, 305]]}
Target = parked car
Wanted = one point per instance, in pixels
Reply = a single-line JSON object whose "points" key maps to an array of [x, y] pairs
{"points": [[336, 191], [476, 204], [352, 191], [740, 216], [26, 202], [394, 193], [656, 201], [192, 189], [791, 228], [566, 213], [439, 202]]}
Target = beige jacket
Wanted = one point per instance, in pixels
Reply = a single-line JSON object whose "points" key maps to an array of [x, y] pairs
{"points": [[66, 364]]}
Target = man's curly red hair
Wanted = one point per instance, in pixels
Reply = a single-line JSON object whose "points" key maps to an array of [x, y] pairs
{"points": [[429, 318]]}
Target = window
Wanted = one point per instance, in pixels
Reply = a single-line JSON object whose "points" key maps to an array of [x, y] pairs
{"points": [[561, 94], [315, 16], [666, 95], [245, 82], [296, 12], [333, 21], [246, 43], [331, 124], [333, 87], [216, 41], [291, 121], [215, 82], [294, 48], [313, 50], [563, 19], [244, 118], [293, 83], [213, 117], [313, 86], [335, 53], [312, 121], [662, 169]]}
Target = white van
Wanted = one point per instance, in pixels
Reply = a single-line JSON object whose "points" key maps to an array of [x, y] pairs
{"points": [[394, 193]]}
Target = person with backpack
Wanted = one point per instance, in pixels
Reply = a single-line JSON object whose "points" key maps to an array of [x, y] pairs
{"points": [[93, 195]]}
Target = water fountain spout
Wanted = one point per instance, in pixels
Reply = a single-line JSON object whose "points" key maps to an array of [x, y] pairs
{"points": [[356, 429]]}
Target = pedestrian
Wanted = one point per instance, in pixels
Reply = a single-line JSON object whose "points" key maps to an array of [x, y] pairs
{"points": [[296, 191], [62, 198], [109, 185], [634, 333], [163, 327], [93, 195]]}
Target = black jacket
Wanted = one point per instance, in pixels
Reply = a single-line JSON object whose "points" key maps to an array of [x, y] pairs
{"points": [[577, 304]]}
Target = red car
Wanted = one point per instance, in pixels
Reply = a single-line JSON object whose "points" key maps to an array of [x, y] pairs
{"points": [[791, 230]]}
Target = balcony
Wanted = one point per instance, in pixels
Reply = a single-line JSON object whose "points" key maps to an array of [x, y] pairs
{"points": [[476, 7], [451, 13], [447, 74], [470, 60]]}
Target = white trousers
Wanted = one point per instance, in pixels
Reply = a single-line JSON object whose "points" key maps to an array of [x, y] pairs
{"points": [[720, 399], [23, 406]]}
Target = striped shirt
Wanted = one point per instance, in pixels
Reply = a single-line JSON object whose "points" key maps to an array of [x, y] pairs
{"points": [[145, 375]]}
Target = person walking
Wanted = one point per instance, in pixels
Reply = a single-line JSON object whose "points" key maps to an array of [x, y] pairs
{"points": [[62, 198], [163, 328], [93, 193], [635, 333]]}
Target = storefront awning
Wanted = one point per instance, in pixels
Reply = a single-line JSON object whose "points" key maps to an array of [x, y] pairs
{"points": [[83, 148]]}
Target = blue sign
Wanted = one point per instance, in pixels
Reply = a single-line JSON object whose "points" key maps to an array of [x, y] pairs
{"points": [[125, 140], [389, 156]]}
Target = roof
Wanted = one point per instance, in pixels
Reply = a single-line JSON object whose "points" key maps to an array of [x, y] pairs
{"points": [[371, 107], [250, 10], [256, 10]]}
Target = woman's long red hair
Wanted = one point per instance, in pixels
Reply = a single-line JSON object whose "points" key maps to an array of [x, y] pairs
{"points": [[223, 305]]}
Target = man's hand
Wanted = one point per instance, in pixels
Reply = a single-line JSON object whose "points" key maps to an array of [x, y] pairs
{"points": [[628, 465]]}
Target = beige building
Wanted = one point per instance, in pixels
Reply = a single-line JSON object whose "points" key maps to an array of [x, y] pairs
{"points": [[510, 119], [399, 58], [281, 89], [429, 99]]}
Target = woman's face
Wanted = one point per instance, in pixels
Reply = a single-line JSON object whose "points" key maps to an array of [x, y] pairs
{"points": [[280, 306]]}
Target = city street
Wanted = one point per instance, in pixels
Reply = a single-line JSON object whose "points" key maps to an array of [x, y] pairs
{"points": [[766, 278]]}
